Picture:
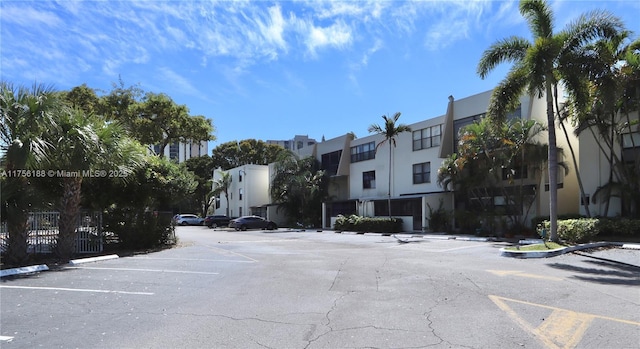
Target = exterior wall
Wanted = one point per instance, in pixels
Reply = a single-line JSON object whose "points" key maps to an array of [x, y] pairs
{"points": [[568, 191], [300, 145], [339, 186], [594, 171], [184, 151], [254, 187], [346, 182]]}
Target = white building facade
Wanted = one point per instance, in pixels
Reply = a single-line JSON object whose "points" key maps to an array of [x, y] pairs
{"points": [[362, 180], [180, 152], [248, 192]]}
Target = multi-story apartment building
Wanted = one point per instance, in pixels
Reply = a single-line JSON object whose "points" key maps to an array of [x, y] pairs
{"points": [[301, 145], [183, 151], [248, 192], [360, 174]]}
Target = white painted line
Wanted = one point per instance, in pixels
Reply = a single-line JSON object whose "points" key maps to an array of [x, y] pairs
{"points": [[23, 270], [147, 270], [93, 259], [76, 290], [195, 259], [461, 248], [6, 338]]}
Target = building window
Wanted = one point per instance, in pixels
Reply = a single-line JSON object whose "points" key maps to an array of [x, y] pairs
{"points": [[330, 162], [174, 150], [458, 124], [630, 140], [630, 149], [369, 180], [427, 137], [422, 173], [240, 194], [363, 152], [240, 175]]}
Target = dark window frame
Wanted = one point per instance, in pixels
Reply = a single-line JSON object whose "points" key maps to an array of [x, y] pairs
{"points": [[419, 174], [427, 137], [369, 180], [362, 152]]}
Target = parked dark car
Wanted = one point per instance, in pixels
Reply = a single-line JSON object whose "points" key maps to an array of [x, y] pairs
{"points": [[252, 222], [216, 221]]}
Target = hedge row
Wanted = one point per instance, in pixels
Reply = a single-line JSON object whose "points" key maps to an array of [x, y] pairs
{"points": [[368, 224], [587, 229]]}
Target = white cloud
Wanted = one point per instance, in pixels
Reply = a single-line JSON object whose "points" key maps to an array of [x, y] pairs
{"points": [[29, 16], [180, 83], [337, 35]]}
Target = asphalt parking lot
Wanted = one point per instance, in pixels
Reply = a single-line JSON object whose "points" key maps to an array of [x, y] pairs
{"points": [[257, 289]]}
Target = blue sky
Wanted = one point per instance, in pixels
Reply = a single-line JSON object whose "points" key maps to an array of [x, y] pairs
{"points": [[271, 70]]}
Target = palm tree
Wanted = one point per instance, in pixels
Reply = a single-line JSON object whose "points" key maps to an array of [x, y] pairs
{"points": [[390, 131], [614, 93], [83, 142], [221, 186], [299, 187], [538, 68], [25, 116]]}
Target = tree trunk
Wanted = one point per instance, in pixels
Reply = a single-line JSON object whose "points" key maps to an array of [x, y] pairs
{"points": [[575, 167], [553, 164], [389, 192], [68, 222], [17, 224], [226, 196]]}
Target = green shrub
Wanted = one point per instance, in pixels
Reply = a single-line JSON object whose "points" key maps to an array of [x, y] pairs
{"points": [[135, 230], [537, 220], [368, 224], [468, 222], [439, 219], [575, 230], [619, 227]]}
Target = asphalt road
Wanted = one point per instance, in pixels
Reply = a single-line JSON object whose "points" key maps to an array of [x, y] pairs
{"points": [[257, 289]]}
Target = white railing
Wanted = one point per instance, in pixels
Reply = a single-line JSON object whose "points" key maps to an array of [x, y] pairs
{"points": [[43, 232]]}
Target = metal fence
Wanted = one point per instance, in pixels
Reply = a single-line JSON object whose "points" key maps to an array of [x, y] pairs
{"points": [[43, 232]]}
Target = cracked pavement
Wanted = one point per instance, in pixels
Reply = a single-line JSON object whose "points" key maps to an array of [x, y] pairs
{"points": [[318, 290]]}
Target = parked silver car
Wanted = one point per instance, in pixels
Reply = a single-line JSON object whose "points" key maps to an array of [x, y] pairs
{"points": [[187, 219], [252, 222]]}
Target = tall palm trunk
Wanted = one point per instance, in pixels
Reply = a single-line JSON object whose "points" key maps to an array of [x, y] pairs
{"points": [[553, 163], [389, 191], [17, 224], [68, 222]]}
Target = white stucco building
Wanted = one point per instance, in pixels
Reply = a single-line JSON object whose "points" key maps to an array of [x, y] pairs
{"points": [[183, 151], [359, 175]]}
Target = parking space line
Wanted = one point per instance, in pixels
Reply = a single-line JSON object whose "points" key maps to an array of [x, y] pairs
{"points": [[563, 328], [147, 270], [77, 290], [196, 259]]}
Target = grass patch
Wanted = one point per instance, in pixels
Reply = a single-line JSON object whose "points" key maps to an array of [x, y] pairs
{"points": [[537, 247]]}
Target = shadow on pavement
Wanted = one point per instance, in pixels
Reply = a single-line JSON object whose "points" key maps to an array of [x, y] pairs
{"points": [[604, 271]]}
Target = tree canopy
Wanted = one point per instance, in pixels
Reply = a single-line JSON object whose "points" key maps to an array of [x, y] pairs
{"points": [[249, 151]]}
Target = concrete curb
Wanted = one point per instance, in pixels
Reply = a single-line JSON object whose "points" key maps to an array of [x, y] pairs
{"points": [[630, 246], [23, 270], [93, 259], [43, 267], [553, 253]]}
